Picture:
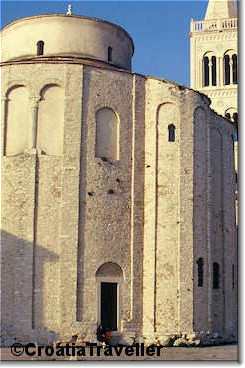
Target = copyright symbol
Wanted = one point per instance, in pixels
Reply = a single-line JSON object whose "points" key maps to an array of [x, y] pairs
{"points": [[17, 349]]}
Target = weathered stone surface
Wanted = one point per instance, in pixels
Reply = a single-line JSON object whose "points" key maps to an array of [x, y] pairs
{"points": [[72, 221]]}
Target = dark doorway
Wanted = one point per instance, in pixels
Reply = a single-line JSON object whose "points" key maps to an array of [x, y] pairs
{"points": [[109, 305]]}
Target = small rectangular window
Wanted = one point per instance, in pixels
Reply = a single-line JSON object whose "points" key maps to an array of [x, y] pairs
{"points": [[40, 48], [171, 133], [200, 272], [109, 54], [216, 276]]}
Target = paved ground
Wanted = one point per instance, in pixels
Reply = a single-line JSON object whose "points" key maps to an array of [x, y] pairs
{"points": [[226, 352]]}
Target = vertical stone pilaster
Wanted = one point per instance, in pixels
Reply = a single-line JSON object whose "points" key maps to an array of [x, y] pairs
{"points": [[70, 196], [149, 261], [34, 122], [4, 104]]}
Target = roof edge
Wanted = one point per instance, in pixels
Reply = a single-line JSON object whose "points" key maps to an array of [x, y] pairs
{"points": [[94, 19]]}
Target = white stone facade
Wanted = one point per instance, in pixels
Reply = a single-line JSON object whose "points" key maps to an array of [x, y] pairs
{"points": [[150, 210]]}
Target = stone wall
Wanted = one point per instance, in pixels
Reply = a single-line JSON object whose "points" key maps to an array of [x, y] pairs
{"points": [[151, 214]]}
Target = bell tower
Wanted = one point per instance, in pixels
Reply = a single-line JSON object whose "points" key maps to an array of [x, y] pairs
{"points": [[214, 61]]}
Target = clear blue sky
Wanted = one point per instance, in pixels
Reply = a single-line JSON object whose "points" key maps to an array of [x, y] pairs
{"points": [[159, 28]]}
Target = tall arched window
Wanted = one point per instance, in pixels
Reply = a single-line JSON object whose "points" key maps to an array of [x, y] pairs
{"points": [[40, 48], [235, 117], [205, 71], [200, 272], [216, 276], [17, 121], [234, 68], [233, 276], [171, 133], [109, 53], [235, 121], [227, 79], [107, 134], [50, 127], [214, 73], [232, 115]]}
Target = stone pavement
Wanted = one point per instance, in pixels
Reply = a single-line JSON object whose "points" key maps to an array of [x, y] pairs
{"points": [[225, 353]]}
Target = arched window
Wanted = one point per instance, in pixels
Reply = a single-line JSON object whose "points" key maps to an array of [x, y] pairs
{"points": [[227, 79], [235, 117], [109, 54], [200, 272], [107, 134], [40, 48], [205, 71], [171, 133], [235, 122], [216, 276], [232, 115], [17, 121], [233, 276], [214, 77], [234, 68], [50, 127]]}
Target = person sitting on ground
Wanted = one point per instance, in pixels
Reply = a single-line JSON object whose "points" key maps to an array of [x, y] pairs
{"points": [[73, 339], [100, 333], [103, 335]]}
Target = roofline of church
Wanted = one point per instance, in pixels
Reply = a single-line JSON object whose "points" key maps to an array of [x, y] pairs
{"points": [[99, 20], [100, 65], [103, 65]]}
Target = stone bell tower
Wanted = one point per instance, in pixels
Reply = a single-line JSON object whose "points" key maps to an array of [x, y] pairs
{"points": [[214, 62]]}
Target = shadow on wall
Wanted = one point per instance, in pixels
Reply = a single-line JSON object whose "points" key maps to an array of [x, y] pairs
{"points": [[22, 299]]}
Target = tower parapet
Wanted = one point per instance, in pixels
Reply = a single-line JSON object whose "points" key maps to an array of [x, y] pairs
{"points": [[210, 25]]}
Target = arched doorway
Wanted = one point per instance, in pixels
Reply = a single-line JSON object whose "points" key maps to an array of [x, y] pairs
{"points": [[109, 278]]}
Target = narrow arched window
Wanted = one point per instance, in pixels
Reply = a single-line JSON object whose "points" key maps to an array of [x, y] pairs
{"points": [[235, 117], [109, 54], [216, 276], [234, 68], [236, 177], [40, 48], [171, 133], [205, 71], [214, 77], [235, 122], [107, 134], [200, 272], [227, 70], [233, 276]]}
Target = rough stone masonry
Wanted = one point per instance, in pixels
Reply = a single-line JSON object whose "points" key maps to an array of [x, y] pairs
{"points": [[117, 194]]}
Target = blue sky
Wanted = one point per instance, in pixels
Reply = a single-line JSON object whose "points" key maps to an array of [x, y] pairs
{"points": [[159, 28]]}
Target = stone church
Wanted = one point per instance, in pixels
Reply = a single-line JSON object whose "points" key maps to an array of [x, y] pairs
{"points": [[117, 193]]}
